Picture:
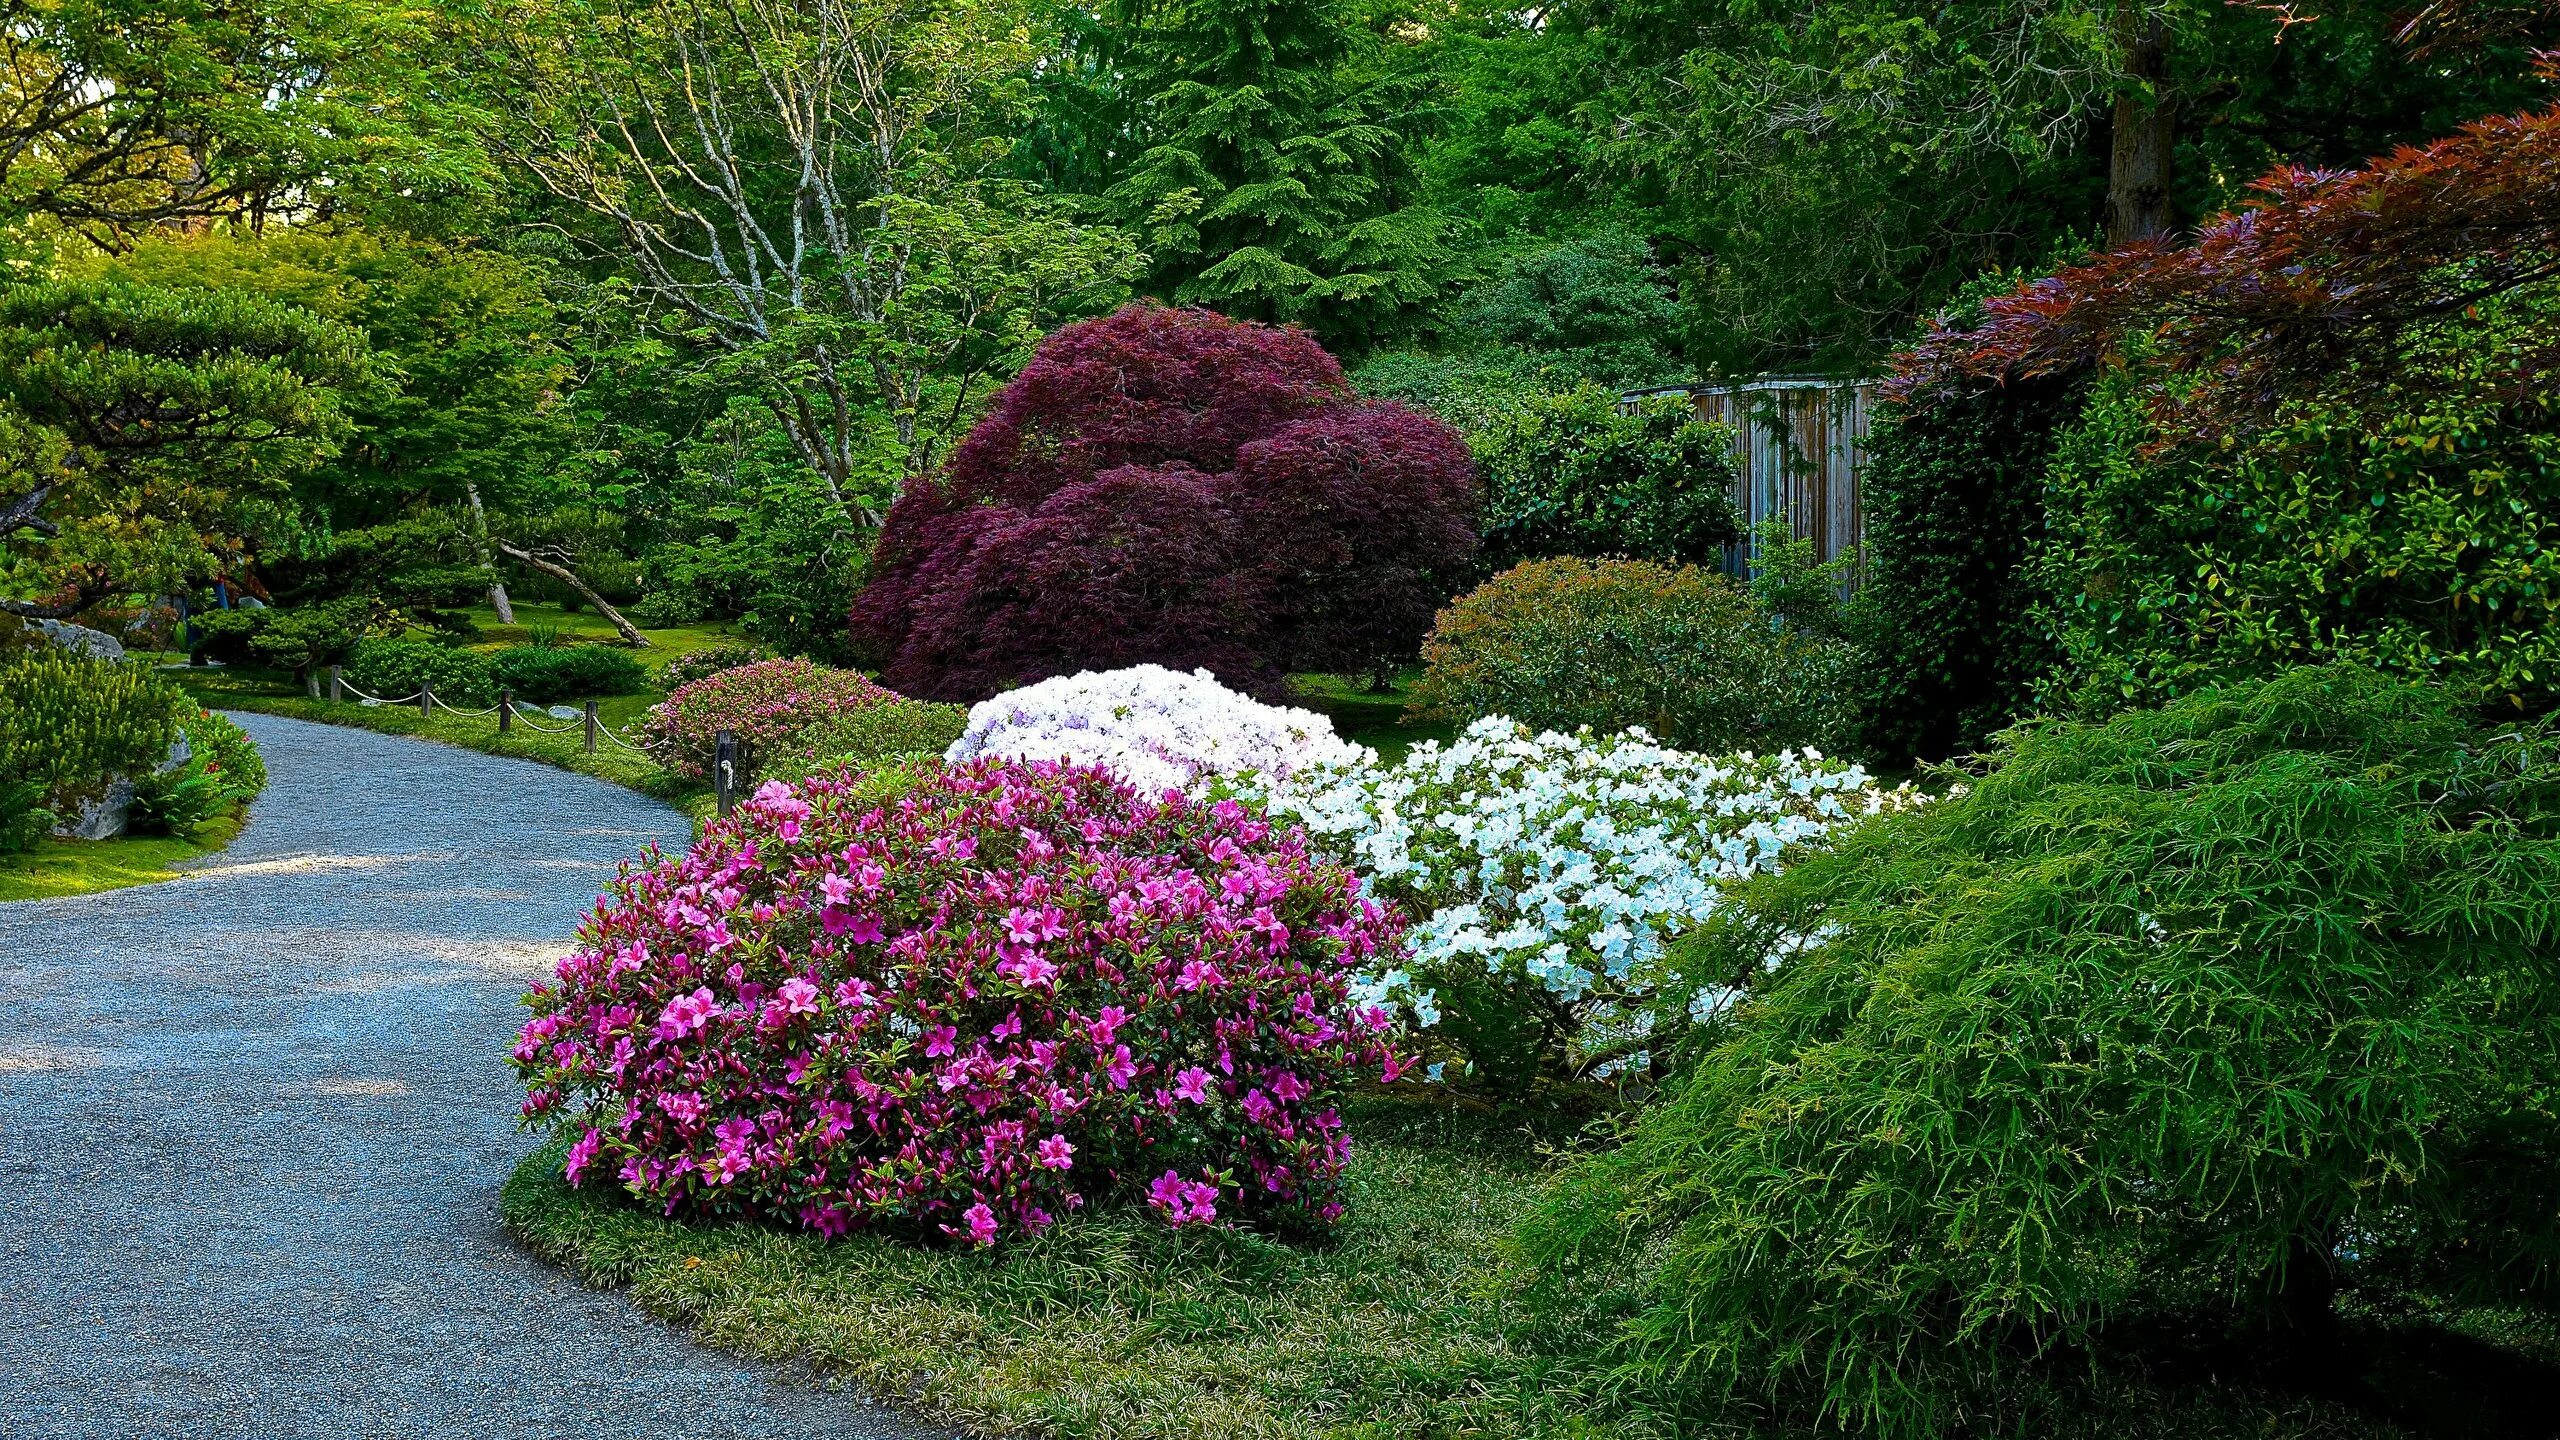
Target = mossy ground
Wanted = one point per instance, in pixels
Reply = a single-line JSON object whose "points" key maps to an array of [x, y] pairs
{"points": [[84, 867]]}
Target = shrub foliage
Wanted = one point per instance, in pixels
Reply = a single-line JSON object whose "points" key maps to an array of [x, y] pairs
{"points": [[69, 723], [1011, 992], [1576, 473], [1173, 487], [891, 730], [1684, 653], [2200, 1012], [545, 674], [389, 669]]}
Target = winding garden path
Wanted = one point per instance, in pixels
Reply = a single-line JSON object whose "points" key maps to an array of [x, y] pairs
{"points": [[253, 1123]]}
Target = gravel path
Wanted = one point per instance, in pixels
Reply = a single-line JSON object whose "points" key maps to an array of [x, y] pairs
{"points": [[253, 1123]]}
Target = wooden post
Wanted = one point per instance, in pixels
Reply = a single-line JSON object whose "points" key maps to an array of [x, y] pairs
{"points": [[591, 727], [336, 691], [724, 770], [506, 711], [426, 701]]}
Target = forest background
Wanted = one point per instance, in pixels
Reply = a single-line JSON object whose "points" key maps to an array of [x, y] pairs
{"points": [[365, 303]]}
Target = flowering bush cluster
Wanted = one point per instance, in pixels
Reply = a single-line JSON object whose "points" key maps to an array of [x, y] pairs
{"points": [[1553, 869], [764, 704], [1158, 729], [966, 1004]]}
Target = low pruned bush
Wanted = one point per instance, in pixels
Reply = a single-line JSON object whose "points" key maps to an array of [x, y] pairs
{"points": [[1684, 653], [898, 729], [70, 724], [709, 660], [390, 669], [546, 674]]}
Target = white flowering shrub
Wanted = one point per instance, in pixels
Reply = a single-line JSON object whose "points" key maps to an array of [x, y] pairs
{"points": [[1159, 729], [1550, 871]]}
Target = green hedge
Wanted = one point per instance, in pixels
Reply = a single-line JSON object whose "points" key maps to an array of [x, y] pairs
{"points": [[900, 728], [547, 674], [390, 669]]}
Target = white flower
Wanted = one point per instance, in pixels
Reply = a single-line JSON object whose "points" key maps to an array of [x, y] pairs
{"points": [[1569, 861], [1158, 729]]}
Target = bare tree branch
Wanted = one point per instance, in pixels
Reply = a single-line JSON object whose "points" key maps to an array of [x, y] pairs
{"points": [[630, 633]]}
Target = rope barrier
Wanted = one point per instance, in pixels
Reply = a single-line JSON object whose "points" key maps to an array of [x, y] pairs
{"points": [[466, 714], [607, 732], [525, 714], [364, 699]]}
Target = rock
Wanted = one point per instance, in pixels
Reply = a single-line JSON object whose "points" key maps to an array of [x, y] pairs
{"points": [[566, 712], [103, 818], [108, 816], [97, 644]]}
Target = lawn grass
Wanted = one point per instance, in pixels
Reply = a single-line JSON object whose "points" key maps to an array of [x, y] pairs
{"points": [[57, 867], [1374, 718], [1114, 1326]]}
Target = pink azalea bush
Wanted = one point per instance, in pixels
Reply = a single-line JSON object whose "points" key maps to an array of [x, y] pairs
{"points": [[765, 703], [1014, 990]]}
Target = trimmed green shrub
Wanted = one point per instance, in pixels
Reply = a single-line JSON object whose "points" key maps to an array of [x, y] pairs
{"points": [[900, 729], [711, 659], [307, 637], [394, 668], [224, 635], [546, 674], [1684, 653], [1577, 473], [70, 724], [1953, 493], [23, 817], [2197, 1016]]}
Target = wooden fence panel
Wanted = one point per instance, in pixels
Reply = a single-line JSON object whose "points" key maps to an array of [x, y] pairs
{"points": [[1799, 445]]}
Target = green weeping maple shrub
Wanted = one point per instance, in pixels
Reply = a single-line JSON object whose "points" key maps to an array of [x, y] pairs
{"points": [[2207, 1013]]}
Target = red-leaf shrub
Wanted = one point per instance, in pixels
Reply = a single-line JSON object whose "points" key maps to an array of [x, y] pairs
{"points": [[763, 704], [1170, 486], [2322, 283], [1009, 992]]}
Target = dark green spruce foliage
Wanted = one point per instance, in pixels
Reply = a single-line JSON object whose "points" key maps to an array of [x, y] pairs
{"points": [[2192, 1013], [70, 724], [1955, 510], [1271, 185]]}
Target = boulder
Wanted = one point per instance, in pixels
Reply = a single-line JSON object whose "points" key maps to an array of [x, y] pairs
{"points": [[97, 644]]}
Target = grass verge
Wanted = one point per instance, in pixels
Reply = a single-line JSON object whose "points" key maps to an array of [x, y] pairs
{"points": [[274, 693], [56, 868], [1112, 1326]]}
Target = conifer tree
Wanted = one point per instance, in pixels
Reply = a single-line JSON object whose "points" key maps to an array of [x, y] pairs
{"points": [[1269, 185]]}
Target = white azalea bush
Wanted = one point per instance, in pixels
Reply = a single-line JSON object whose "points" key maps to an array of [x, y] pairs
{"points": [[1159, 729], [1550, 871]]}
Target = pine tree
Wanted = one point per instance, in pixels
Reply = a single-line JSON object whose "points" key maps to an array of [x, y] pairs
{"points": [[1270, 186]]}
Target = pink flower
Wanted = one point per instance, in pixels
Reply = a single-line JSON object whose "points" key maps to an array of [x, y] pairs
{"points": [[941, 1040], [835, 889], [1031, 970], [1199, 975], [1182, 1201], [685, 1014], [982, 1224], [1106, 1025], [1121, 1070], [798, 997], [583, 1154], [1192, 1085], [1055, 1153]]}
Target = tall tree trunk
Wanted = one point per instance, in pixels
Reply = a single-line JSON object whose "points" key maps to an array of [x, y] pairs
{"points": [[480, 529], [2145, 126], [630, 633]]}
